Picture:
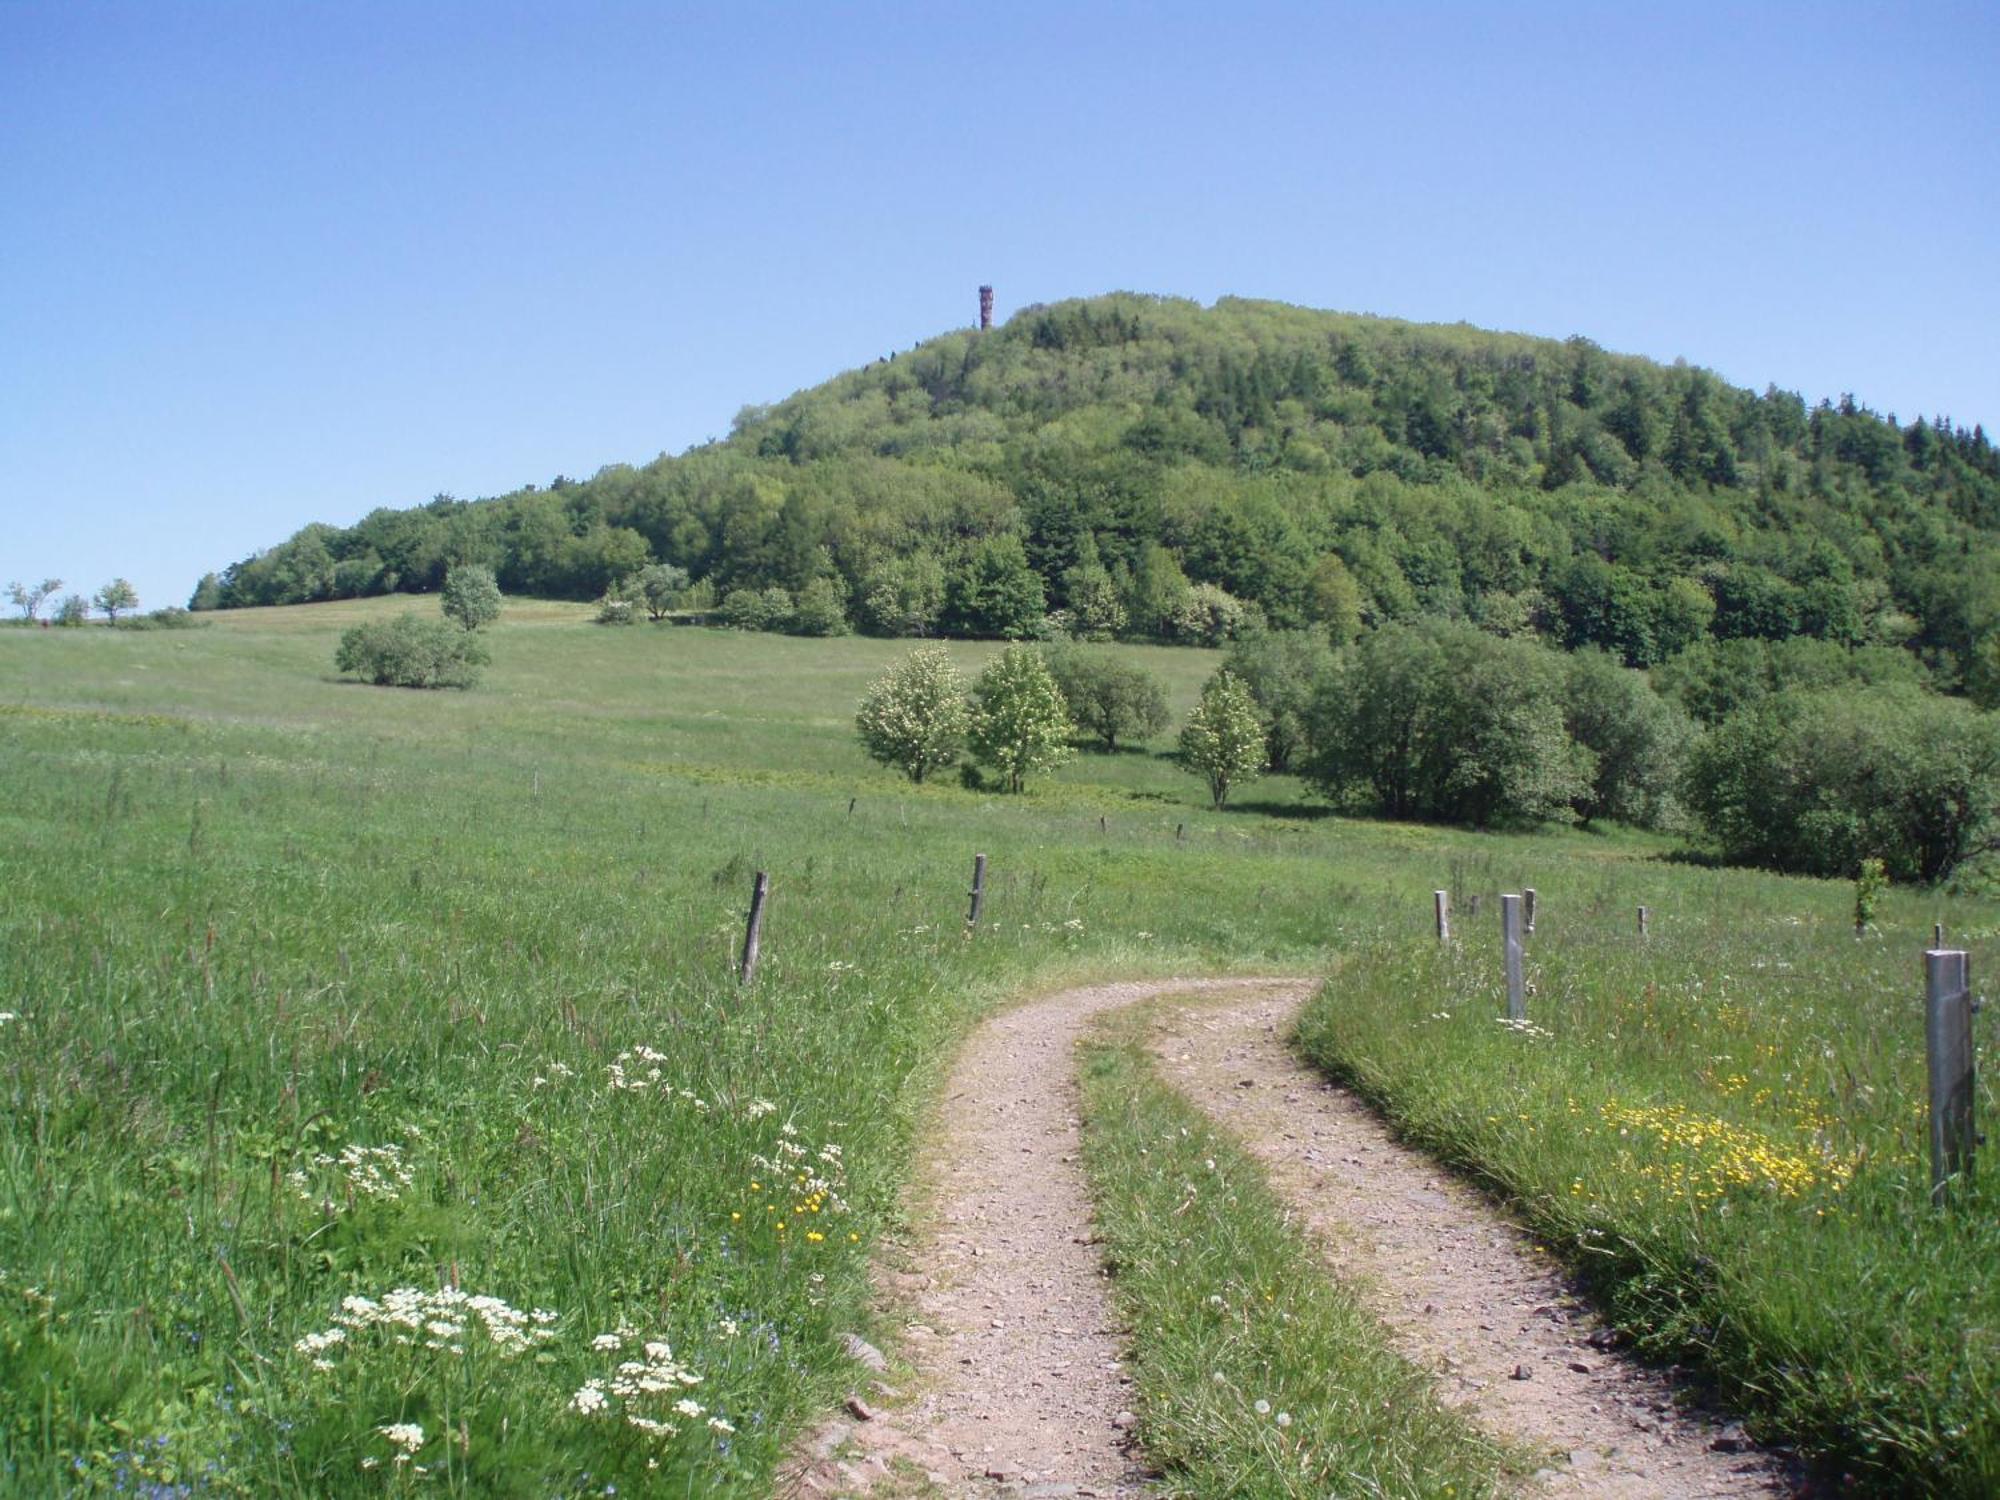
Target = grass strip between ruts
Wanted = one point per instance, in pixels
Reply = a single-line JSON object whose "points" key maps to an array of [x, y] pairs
{"points": [[1256, 1373]]}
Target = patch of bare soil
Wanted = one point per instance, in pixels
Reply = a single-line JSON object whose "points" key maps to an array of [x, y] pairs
{"points": [[1462, 1288]]}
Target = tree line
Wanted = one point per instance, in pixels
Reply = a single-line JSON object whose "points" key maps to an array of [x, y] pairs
{"points": [[1147, 469], [1790, 758]]}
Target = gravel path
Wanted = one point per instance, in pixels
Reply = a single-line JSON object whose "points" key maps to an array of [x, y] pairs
{"points": [[1006, 1314], [1461, 1287], [1007, 1321]]}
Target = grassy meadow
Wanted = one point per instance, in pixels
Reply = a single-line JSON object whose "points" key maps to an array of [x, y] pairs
{"points": [[373, 1060]]}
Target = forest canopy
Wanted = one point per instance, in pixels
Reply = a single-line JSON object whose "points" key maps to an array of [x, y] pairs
{"points": [[1152, 468]]}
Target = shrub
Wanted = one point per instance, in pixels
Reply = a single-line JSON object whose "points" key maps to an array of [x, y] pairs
{"points": [[1106, 697], [74, 610], [1209, 616], [822, 609], [1223, 739], [903, 596], [756, 609], [1020, 724], [172, 617], [615, 609], [914, 717], [470, 596], [409, 651], [1816, 782]]}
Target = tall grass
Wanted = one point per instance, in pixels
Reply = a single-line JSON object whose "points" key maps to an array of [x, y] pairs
{"points": [[1724, 1128]]}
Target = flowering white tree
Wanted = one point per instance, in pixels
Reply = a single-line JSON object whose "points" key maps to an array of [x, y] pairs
{"points": [[1020, 720], [914, 717], [1223, 739]]}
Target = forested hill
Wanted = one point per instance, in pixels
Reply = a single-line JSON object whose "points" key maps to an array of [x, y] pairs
{"points": [[1318, 466]]}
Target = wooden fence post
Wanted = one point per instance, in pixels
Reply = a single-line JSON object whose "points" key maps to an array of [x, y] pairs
{"points": [[753, 930], [1645, 915], [1441, 904], [1510, 939], [1948, 1045], [978, 890], [1937, 934], [1528, 907]]}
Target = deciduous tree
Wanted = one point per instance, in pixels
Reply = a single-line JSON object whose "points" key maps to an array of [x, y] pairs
{"points": [[1020, 723], [914, 717], [1223, 739]]}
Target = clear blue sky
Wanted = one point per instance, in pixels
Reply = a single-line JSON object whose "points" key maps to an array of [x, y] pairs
{"points": [[269, 263]]}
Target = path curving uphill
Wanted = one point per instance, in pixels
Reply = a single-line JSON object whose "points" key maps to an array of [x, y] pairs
{"points": [[1008, 1321]]}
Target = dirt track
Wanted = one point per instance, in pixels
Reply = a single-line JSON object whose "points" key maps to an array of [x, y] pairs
{"points": [[1007, 1319]]}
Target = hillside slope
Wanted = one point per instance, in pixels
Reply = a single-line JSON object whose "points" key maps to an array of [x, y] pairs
{"points": [[1322, 466]]}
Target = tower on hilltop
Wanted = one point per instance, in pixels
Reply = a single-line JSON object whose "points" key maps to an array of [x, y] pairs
{"points": [[985, 308]]}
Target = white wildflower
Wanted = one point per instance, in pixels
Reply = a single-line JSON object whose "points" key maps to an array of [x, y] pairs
{"points": [[405, 1435]]}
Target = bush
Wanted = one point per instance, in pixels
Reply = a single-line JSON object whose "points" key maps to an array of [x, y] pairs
{"points": [[914, 718], [1106, 697], [1020, 724], [757, 609], [1210, 616], [470, 596], [73, 611], [822, 609], [614, 609], [1443, 721], [1223, 739], [1817, 782], [903, 596], [410, 651], [172, 617]]}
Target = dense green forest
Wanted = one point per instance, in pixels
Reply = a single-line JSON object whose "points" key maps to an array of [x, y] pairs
{"points": [[1145, 467]]}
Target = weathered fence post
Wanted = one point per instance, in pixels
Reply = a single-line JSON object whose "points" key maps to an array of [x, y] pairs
{"points": [[1948, 1044], [1510, 939], [978, 890], [1528, 907], [1441, 904], [753, 930], [1645, 916], [1937, 934]]}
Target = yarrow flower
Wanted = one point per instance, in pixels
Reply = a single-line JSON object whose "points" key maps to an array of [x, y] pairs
{"points": [[438, 1320], [647, 1392]]}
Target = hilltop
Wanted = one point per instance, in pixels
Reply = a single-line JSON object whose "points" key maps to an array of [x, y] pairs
{"points": [[1101, 457]]}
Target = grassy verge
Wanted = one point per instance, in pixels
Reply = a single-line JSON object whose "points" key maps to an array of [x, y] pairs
{"points": [[1256, 1374], [1724, 1128]]}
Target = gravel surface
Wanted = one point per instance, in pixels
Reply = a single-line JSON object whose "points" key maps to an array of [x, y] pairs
{"points": [[1015, 1379], [1460, 1286]]}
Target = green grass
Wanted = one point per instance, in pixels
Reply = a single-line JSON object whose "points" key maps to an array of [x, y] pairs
{"points": [[1724, 1129], [1257, 1375], [251, 915]]}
